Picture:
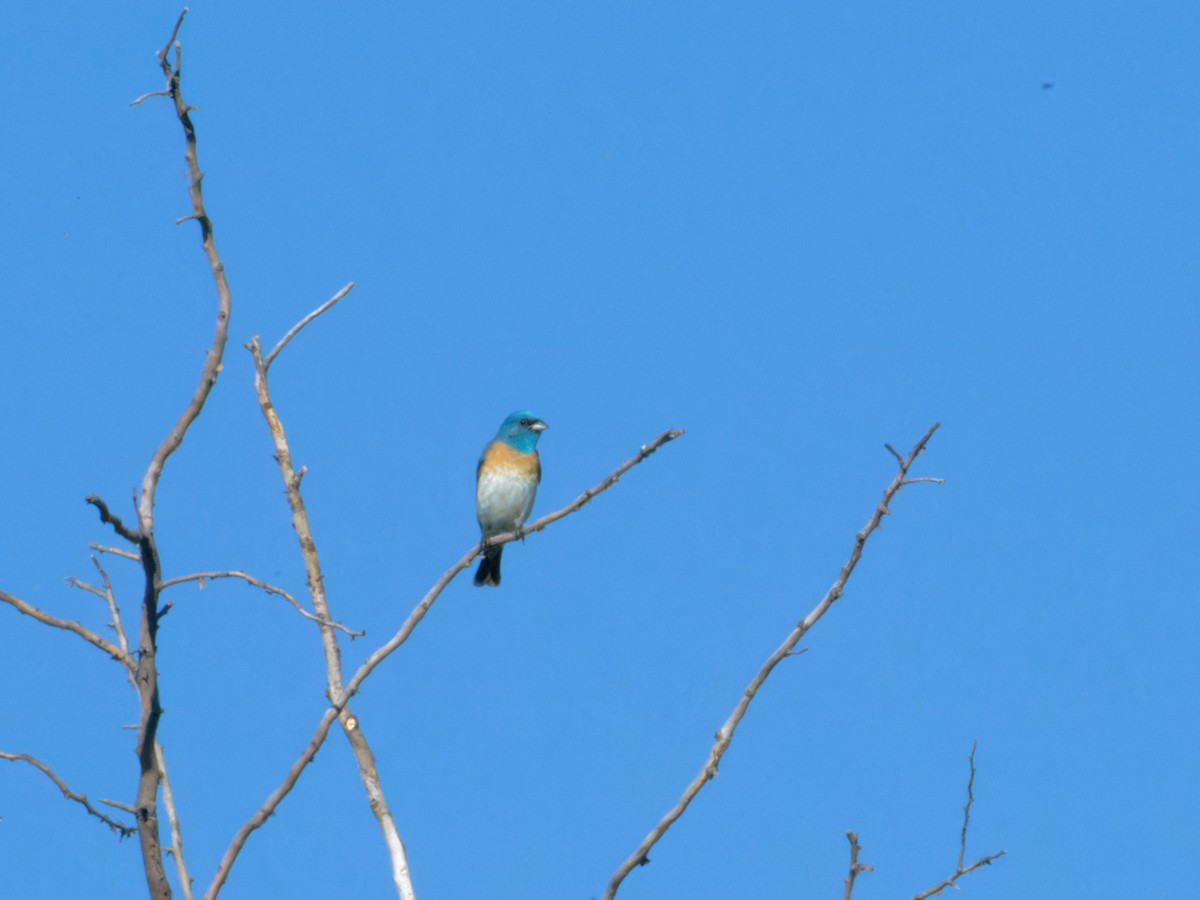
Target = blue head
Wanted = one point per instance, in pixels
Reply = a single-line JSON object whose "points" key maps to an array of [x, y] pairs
{"points": [[521, 431]]}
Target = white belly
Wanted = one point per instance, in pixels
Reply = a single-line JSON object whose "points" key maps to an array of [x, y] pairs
{"points": [[503, 500]]}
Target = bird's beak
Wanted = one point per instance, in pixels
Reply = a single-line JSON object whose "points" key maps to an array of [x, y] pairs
{"points": [[539, 425]]}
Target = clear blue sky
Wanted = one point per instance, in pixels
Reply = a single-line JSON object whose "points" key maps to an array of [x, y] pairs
{"points": [[797, 230]]}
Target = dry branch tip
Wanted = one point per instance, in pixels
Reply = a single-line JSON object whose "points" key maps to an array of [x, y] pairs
{"points": [[132, 535]]}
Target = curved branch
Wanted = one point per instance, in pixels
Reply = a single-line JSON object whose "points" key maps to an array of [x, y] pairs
{"points": [[725, 734], [201, 577], [67, 625], [122, 830], [108, 518], [212, 361]]}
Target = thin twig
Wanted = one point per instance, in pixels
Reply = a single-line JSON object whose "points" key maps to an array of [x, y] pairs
{"points": [[116, 551], [959, 871], [113, 610], [855, 866], [162, 54], [201, 577], [122, 830], [148, 95], [176, 848], [84, 586], [117, 804], [723, 736], [962, 841], [67, 625], [300, 523], [295, 329]]}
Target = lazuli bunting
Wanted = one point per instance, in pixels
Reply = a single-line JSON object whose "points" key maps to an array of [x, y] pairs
{"points": [[505, 484]]}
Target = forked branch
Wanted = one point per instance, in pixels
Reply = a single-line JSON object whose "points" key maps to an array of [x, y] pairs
{"points": [[364, 757], [856, 867], [406, 629], [67, 625], [959, 870], [640, 856], [146, 676], [120, 829]]}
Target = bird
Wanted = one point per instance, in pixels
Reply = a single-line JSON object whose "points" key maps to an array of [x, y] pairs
{"points": [[506, 482]]}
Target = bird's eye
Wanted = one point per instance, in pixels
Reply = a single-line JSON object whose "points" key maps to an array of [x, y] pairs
{"points": [[525, 423]]}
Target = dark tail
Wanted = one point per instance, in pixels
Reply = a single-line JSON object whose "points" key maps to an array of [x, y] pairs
{"points": [[489, 568]]}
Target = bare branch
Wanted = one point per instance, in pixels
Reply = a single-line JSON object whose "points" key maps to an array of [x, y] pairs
{"points": [[67, 625], [295, 329], [201, 577], [176, 848], [148, 95], [953, 879], [212, 362], [117, 804], [855, 866], [116, 551], [959, 871], [122, 830], [108, 518], [162, 54], [725, 735], [368, 770], [300, 523], [962, 842], [113, 610], [106, 595], [269, 805], [146, 675], [84, 586]]}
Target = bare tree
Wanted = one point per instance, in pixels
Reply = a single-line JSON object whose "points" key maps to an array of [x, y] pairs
{"points": [[135, 651]]}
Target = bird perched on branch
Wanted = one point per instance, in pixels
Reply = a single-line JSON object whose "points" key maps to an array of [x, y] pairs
{"points": [[505, 484]]}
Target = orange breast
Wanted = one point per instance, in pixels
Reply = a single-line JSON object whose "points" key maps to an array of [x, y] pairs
{"points": [[501, 456]]}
